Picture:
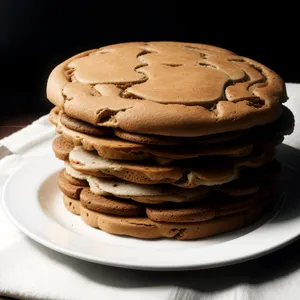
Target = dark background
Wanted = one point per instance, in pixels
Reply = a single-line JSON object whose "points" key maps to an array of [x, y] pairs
{"points": [[37, 35]]}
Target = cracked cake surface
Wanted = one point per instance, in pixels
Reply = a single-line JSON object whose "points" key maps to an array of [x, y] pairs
{"points": [[167, 139], [167, 88]]}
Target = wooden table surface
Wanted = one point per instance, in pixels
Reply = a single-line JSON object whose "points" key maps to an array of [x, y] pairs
{"points": [[11, 124]]}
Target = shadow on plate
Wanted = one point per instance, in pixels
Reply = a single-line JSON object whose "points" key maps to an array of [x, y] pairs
{"points": [[258, 271]]}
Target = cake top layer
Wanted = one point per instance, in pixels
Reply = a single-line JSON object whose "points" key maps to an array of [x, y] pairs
{"points": [[167, 88]]}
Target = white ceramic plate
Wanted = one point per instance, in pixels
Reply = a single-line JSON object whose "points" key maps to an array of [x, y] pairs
{"points": [[34, 203]]}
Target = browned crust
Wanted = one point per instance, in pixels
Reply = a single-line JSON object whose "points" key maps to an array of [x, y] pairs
{"points": [[249, 184], [207, 209], [57, 81], [62, 147], [258, 134], [53, 115], [180, 214], [83, 127], [72, 205], [194, 174], [144, 228], [70, 190], [91, 201], [114, 148], [110, 205], [249, 102], [75, 181], [159, 140], [210, 209], [282, 126]]}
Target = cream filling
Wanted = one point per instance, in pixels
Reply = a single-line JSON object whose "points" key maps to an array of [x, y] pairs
{"points": [[74, 173], [196, 180], [88, 160], [92, 161], [124, 189]]}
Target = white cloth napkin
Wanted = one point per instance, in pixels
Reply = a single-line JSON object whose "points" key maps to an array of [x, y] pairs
{"points": [[31, 271]]}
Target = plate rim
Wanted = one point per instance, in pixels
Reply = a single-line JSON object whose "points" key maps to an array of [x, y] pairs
{"points": [[119, 263]]}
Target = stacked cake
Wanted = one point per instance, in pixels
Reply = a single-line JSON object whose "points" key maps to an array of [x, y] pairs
{"points": [[167, 139]]}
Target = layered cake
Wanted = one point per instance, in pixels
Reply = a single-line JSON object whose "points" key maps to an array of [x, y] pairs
{"points": [[167, 139]]}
